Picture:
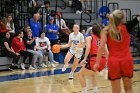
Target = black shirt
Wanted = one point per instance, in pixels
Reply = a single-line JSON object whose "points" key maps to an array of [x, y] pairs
{"points": [[3, 48], [29, 46]]}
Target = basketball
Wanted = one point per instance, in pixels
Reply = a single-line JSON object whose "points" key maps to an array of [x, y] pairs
{"points": [[56, 48]]}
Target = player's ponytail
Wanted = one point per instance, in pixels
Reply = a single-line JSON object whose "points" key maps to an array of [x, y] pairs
{"points": [[114, 20]]}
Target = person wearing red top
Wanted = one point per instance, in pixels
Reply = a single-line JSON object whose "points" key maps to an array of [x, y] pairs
{"points": [[3, 25], [92, 44], [3, 29], [19, 47], [120, 62]]}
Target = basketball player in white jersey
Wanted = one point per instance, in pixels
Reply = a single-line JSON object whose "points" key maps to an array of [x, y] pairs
{"points": [[76, 44]]}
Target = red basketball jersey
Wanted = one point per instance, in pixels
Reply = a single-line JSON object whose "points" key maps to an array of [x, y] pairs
{"points": [[120, 62], [120, 48], [94, 45]]}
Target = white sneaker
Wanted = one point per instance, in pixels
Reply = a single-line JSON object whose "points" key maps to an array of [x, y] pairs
{"points": [[95, 90], [31, 68], [56, 62], [43, 65], [22, 66], [64, 68], [53, 65], [71, 75]]}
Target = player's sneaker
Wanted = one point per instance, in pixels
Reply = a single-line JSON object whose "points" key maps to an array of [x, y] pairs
{"points": [[64, 68], [71, 75]]}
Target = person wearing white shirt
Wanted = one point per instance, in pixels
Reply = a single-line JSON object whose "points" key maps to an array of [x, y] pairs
{"points": [[10, 25], [43, 45], [60, 21], [63, 29]]}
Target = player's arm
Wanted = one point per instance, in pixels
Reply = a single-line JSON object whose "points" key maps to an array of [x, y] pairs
{"points": [[66, 45], [101, 48], [88, 46]]}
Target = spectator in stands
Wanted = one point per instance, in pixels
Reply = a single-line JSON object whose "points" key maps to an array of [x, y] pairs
{"points": [[7, 50], [46, 8], [20, 49], [32, 3], [35, 25], [77, 5], [33, 6], [63, 29], [31, 47], [83, 31], [10, 25], [52, 31], [45, 11], [86, 5], [3, 25], [43, 46], [136, 43], [60, 21], [26, 29]]}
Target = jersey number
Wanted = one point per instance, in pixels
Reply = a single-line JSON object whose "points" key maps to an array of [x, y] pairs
{"points": [[98, 42]]}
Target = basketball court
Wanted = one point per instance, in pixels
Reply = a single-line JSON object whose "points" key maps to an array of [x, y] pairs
{"points": [[53, 80]]}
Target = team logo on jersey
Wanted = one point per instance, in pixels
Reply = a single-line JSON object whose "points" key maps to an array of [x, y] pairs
{"points": [[75, 42]]}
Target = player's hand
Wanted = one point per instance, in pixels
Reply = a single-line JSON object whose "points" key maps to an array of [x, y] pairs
{"points": [[83, 62]]}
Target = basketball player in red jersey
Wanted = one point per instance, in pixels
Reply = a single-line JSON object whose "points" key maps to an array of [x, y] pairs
{"points": [[92, 44], [120, 62]]}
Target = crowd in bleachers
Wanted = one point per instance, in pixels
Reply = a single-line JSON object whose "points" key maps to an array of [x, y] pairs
{"points": [[33, 41]]}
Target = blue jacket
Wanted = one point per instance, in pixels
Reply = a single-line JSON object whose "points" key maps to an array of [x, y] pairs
{"points": [[35, 27], [51, 35]]}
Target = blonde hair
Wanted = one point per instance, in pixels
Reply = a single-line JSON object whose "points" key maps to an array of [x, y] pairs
{"points": [[115, 19], [3, 22]]}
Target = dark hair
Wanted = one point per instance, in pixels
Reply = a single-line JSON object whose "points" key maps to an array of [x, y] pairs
{"points": [[18, 32], [46, 2], [3, 35], [96, 29], [41, 33]]}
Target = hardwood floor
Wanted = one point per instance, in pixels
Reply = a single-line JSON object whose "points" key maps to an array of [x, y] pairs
{"points": [[50, 80]]}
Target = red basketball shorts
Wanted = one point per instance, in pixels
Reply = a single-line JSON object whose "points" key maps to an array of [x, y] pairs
{"points": [[118, 68], [90, 64]]}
